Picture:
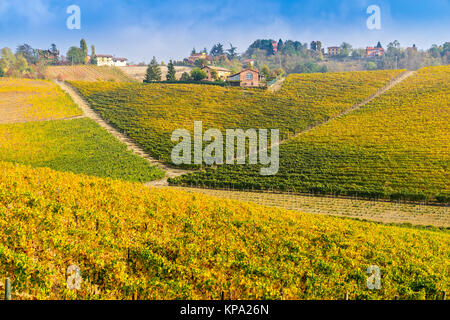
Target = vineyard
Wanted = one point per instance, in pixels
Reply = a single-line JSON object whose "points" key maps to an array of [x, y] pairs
{"points": [[130, 241], [396, 147], [398, 212], [79, 146], [150, 113], [86, 73], [23, 100]]}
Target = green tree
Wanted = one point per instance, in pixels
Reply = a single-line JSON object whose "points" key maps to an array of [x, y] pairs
{"points": [[171, 71], [371, 65], [84, 49], [231, 53], [21, 65], [217, 50], [2, 72], [345, 49], [214, 75], [93, 59], [185, 77], [8, 58], [75, 56], [153, 72], [54, 52], [30, 54], [198, 74], [265, 71], [200, 63]]}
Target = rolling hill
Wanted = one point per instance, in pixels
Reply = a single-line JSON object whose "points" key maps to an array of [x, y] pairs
{"points": [[132, 242], [396, 146]]}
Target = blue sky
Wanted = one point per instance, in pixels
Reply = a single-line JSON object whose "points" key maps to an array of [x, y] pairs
{"points": [[169, 29]]}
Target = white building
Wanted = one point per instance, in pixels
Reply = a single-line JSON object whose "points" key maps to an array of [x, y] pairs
{"points": [[109, 60]]}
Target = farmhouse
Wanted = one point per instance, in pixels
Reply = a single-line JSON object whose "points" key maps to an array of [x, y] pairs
{"points": [[109, 60], [246, 78], [334, 51], [215, 73]]}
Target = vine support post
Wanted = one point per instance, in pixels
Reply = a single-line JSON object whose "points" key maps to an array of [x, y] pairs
{"points": [[7, 289], [346, 295], [281, 291]]}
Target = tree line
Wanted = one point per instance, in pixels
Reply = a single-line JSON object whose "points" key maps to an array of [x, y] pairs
{"points": [[27, 61]]}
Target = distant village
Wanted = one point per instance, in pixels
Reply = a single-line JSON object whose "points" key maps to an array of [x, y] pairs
{"points": [[265, 61]]}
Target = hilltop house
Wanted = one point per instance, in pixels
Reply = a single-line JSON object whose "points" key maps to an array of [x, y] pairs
{"points": [[221, 73], [334, 51], [197, 56], [246, 78], [109, 60], [374, 51]]}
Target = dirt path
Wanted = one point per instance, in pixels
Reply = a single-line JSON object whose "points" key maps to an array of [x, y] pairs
{"points": [[276, 86], [88, 112]]}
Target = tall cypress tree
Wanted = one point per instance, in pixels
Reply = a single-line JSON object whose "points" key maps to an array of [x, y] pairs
{"points": [[153, 72], [84, 49], [171, 72]]}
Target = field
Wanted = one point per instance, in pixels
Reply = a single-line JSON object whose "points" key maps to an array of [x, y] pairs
{"points": [[79, 146], [150, 113], [396, 147], [23, 100], [138, 72], [134, 242], [86, 73]]}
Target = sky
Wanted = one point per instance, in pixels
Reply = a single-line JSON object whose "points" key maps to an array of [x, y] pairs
{"points": [[169, 29]]}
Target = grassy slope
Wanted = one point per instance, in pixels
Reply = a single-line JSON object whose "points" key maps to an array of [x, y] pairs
{"points": [[150, 113], [396, 146], [79, 146], [166, 244]]}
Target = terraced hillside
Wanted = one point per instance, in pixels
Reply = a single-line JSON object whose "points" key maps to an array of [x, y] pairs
{"points": [[150, 113], [77, 145], [397, 146], [86, 73], [24, 100], [134, 242]]}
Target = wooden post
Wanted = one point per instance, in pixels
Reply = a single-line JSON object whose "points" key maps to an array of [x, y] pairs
{"points": [[397, 297], [7, 289], [346, 295], [281, 291], [444, 295], [221, 296]]}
